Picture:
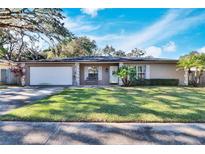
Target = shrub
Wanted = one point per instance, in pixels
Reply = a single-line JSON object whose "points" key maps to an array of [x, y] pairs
{"points": [[156, 82], [126, 74]]}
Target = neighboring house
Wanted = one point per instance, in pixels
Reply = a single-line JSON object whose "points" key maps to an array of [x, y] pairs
{"points": [[6, 76], [96, 70]]}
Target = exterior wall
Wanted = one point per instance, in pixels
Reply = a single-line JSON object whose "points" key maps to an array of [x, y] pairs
{"points": [[105, 74], [28, 65], [166, 71], [78, 71], [156, 71], [163, 71]]}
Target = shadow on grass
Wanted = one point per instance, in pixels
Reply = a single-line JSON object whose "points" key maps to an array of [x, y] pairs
{"points": [[119, 104]]}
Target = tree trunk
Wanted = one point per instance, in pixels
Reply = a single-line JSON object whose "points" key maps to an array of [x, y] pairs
{"points": [[199, 77], [123, 81]]}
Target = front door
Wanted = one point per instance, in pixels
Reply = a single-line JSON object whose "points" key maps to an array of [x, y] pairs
{"points": [[113, 76]]}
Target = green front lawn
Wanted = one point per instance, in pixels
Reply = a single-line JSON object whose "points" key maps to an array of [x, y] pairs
{"points": [[117, 104]]}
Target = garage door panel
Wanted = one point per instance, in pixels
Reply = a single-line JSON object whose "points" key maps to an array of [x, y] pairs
{"points": [[51, 76]]}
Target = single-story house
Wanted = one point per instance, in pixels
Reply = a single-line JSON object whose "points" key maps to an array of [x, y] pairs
{"points": [[97, 70], [93, 70]]}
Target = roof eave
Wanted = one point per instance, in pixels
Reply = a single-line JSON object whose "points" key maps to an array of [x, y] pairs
{"points": [[128, 61]]}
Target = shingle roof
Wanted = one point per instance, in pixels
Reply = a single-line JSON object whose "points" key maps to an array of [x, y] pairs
{"points": [[104, 59]]}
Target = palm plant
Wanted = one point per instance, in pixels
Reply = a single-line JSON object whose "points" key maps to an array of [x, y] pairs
{"points": [[199, 66], [196, 61], [127, 74], [187, 62]]}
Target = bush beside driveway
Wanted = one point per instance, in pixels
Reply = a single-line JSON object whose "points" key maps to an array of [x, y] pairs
{"points": [[117, 104]]}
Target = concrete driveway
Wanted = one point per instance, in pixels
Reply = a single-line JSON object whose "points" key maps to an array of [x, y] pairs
{"points": [[14, 97], [101, 133]]}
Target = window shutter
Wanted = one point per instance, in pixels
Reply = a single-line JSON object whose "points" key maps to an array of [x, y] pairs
{"points": [[100, 73], [147, 74], [85, 72]]}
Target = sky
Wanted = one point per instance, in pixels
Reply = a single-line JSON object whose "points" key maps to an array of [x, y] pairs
{"points": [[165, 33]]}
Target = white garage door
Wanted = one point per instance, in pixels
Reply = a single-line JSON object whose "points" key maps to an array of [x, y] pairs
{"points": [[51, 76]]}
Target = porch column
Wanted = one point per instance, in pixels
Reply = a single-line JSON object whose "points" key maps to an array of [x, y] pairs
{"points": [[186, 82], [77, 74], [120, 81]]}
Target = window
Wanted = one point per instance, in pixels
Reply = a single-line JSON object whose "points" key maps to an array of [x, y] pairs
{"points": [[140, 70], [92, 73]]}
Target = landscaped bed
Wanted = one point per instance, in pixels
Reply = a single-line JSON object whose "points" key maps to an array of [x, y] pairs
{"points": [[117, 104]]}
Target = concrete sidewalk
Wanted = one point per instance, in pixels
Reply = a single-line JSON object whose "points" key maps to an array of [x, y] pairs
{"points": [[101, 133]]}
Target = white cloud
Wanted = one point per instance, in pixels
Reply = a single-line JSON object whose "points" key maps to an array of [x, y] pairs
{"points": [[79, 26], [172, 23], [202, 50], [169, 47], [157, 51], [93, 12], [153, 51], [109, 39]]}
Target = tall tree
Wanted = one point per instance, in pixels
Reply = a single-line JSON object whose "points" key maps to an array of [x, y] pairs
{"points": [[119, 53], [195, 61], [13, 45], [80, 46], [40, 21], [136, 53], [199, 65], [108, 50], [21, 26], [186, 62]]}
